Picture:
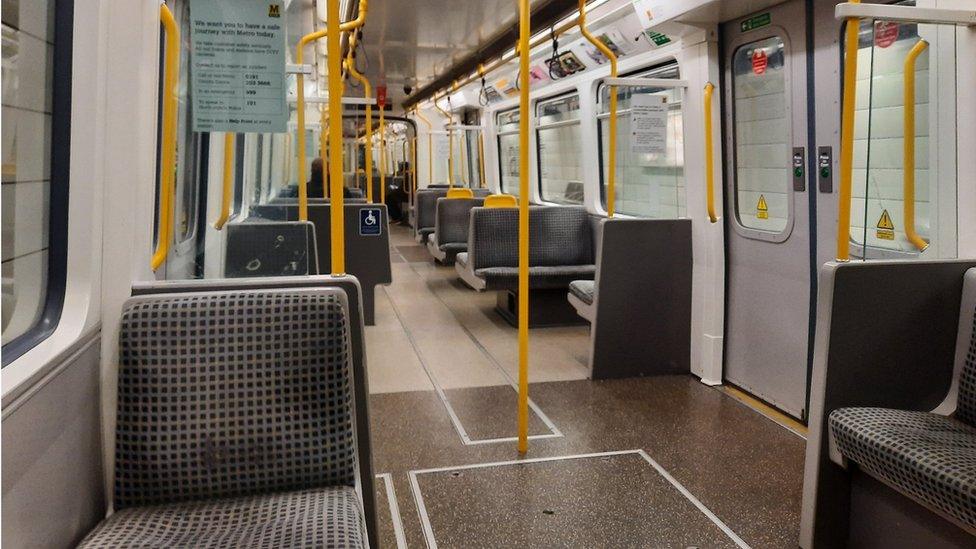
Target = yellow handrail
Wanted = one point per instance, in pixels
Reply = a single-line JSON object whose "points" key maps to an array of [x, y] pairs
{"points": [[709, 160], [450, 145], [847, 138], [337, 211], [909, 147], [300, 102], [382, 155], [228, 183], [523, 274], [612, 145], [481, 158], [167, 157], [324, 149], [413, 169], [368, 95], [430, 144], [462, 145]]}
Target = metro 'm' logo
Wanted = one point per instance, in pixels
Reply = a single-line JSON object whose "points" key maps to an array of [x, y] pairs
{"points": [[274, 10]]}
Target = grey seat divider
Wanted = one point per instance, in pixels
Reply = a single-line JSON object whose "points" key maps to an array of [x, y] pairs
{"points": [[357, 346], [641, 311], [451, 227], [367, 256], [886, 337], [425, 207]]}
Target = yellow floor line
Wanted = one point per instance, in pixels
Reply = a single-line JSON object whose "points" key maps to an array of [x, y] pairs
{"points": [[765, 409]]}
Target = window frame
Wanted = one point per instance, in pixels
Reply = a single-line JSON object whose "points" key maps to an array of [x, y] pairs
{"points": [[58, 192], [647, 71], [578, 122], [498, 143]]}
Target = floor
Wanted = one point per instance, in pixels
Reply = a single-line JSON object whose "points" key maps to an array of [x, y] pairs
{"points": [[648, 462]]}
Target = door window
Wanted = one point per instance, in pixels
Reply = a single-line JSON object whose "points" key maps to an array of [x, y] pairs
{"points": [[762, 135], [508, 151]]}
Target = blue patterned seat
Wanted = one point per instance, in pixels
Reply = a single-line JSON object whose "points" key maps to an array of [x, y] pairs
{"points": [[235, 423]]}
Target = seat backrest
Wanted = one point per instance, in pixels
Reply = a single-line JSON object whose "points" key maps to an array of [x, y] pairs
{"points": [[558, 235], [459, 192], [451, 224], [232, 393], [426, 204], [964, 379]]}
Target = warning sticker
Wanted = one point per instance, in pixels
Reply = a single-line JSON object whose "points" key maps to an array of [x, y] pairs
{"points": [[759, 62], [885, 33], [886, 229], [762, 210]]}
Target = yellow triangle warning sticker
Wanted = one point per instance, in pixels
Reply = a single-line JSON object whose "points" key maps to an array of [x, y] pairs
{"points": [[886, 227], [762, 210]]}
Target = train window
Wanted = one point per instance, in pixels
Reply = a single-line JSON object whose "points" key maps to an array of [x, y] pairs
{"points": [[762, 129], [647, 184], [507, 124], [241, 163], [473, 157], [559, 144], [36, 103], [877, 206]]}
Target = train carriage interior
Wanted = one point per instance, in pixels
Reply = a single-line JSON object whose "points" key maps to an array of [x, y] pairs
{"points": [[521, 273]]}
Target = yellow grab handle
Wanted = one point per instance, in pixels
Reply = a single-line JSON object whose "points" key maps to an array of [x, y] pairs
{"points": [[709, 160], [337, 210], [167, 157], [847, 138], [909, 147], [481, 158], [612, 145], [228, 184], [382, 155], [523, 248]]}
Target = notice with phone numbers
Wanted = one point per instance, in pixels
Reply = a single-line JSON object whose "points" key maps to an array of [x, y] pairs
{"points": [[649, 124], [238, 66]]}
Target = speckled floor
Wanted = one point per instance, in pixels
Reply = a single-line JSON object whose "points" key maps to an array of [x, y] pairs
{"points": [[432, 334]]}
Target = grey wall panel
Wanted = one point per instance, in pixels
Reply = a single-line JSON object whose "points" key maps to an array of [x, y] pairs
{"points": [[52, 456]]}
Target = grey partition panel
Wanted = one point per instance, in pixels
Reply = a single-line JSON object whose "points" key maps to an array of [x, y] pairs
{"points": [[886, 336], [643, 298], [357, 344], [273, 248], [53, 480], [367, 255]]}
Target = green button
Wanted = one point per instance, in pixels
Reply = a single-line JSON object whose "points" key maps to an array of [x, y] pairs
{"points": [[825, 172], [797, 172]]}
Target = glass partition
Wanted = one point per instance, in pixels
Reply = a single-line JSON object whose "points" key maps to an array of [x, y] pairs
{"points": [[559, 146], [507, 127]]}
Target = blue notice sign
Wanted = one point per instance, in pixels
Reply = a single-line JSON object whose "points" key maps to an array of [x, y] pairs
{"points": [[370, 222]]}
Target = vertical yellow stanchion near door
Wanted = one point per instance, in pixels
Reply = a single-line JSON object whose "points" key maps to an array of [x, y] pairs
{"points": [[908, 173], [382, 106], [481, 158], [847, 139], [227, 192], [335, 139], [709, 155], [167, 157], [430, 144], [612, 138], [523, 274]]}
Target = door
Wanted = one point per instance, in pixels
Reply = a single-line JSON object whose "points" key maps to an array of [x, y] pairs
{"points": [[768, 206]]}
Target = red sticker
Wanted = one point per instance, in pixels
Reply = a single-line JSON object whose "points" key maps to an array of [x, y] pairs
{"points": [[885, 33], [381, 96], [759, 62]]}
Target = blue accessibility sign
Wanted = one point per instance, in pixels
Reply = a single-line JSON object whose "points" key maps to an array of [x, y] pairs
{"points": [[370, 222]]}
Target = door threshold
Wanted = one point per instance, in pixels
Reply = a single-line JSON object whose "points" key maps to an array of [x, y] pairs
{"points": [[766, 410]]}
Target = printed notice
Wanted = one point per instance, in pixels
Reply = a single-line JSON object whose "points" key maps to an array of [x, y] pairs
{"points": [[238, 66], [649, 124]]}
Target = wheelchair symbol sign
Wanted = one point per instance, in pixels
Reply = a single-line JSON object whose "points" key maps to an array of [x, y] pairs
{"points": [[370, 222]]}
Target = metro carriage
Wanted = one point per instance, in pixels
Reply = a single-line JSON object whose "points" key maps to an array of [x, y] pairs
{"points": [[534, 273]]}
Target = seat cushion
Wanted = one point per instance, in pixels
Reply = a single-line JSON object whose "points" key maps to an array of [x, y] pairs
{"points": [[583, 289], [324, 517], [462, 259], [454, 247], [540, 278], [928, 456]]}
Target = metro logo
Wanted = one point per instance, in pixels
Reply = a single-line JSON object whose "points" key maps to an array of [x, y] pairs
{"points": [[274, 10]]}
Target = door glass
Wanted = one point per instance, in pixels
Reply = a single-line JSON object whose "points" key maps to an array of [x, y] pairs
{"points": [[762, 132], [508, 150], [879, 225], [558, 146]]}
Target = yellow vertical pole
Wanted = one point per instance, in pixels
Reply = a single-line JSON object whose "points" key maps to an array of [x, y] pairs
{"points": [[413, 168], [709, 160], [481, 157], [324, 149], [523, 275], [430, 144], [463, 145], [228, 181], [382, 155], [612, 145], [908, 173], [847, 139], [335, 139], [167, 157]]}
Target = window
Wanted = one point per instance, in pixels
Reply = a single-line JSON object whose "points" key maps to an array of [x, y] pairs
{"points": [[36, 81], [508, 150], [762, 130], [559, 144], [473, 154], [647, 184], [877, 205]]}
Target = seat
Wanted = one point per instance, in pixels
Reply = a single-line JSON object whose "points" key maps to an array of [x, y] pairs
{"points": [[583, 290], [927, 456], [450, 234], [322, 517], [543, 277], [235, 422]]}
